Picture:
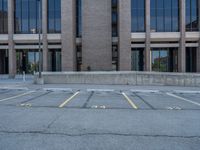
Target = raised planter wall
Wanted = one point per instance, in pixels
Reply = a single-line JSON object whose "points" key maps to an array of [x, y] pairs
{"points": [[124, 78]]}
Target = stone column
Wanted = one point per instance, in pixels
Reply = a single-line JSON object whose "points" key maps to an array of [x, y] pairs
{"points": [[147, 54], [96, 35], [44, 35], [198, 50], [124, 46], [182, 49], [68, 35], [12, 52]]}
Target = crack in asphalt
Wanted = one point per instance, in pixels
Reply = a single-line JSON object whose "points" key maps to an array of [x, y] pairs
{"points": [[98, 134], [110, 108]]}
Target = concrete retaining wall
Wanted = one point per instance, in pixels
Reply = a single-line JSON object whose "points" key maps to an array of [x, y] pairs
{"points": [[124, 78]]}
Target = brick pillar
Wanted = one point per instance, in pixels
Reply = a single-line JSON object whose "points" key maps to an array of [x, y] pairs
{"points": [[147, 54], [96, 35], [68, 35], [182, 49], [12, 52], [44, 35], [124, 22]]}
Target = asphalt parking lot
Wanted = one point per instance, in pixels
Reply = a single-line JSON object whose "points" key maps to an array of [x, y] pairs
{"points": [[99, 118]]}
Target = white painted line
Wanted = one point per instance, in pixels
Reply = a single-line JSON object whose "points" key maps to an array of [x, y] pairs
{"points": [[100, 90], [58, 89], [13, 88], [186, 92], [13, 97], [130, 101], [146, 91], [184, 99], [68, 100]]}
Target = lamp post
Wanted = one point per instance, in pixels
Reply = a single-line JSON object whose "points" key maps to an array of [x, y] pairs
{"points": [[39, 44]]}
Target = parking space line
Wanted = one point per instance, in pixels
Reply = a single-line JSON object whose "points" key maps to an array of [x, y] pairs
{"points": [[181, 98], [33, 98], [88, 99], [145, 91], [13, 97], [142, 99], [100, 90], [68, 100], [129, 101]]}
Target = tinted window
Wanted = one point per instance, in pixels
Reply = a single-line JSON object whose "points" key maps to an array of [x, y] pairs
{"points": [[54, 16], [165, 15], [192, 15], [3, 17], [138, 15]]}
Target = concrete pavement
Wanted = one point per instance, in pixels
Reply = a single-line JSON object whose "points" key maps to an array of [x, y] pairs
{"points": [[98, 117]]}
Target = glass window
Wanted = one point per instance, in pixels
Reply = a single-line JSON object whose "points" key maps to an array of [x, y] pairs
{"points": [[164, 15], [54, 59], [114, 18], [138, 15], [54, 16], [78, 18], [164, 59], [3, 17], [26, 16], [137, 59], [192, 15], [27, 61]]}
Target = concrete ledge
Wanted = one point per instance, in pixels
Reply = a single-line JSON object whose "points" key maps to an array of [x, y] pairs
{"points": [[123, 78]]}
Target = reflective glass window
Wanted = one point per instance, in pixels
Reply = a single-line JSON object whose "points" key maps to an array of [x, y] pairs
{"points": [[78, 18], [54, 16], [164, 59], [192, 15], [138, 15], [164, 15], [3, 17], [26, 16]]}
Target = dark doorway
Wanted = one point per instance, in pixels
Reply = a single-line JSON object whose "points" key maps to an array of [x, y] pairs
{"points": [[54, 60], [3, 61], [191, 59]]}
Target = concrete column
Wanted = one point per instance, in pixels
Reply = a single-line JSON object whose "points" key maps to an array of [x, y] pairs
{"points": [[124, 23], [182, 49], [96, 35], [44, 35], [147, 54], [12, 52], [198, 50], [68, 35]]}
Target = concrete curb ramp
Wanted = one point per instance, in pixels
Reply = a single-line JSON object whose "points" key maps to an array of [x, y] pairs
{"points": [[121, 78]]}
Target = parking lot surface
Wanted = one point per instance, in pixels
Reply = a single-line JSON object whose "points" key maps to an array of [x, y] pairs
{"points": [[99, 117]]}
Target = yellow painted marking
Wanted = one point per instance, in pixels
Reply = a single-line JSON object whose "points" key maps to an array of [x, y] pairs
{"points": [[68, 100], [130, 101], [20, 95]]}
